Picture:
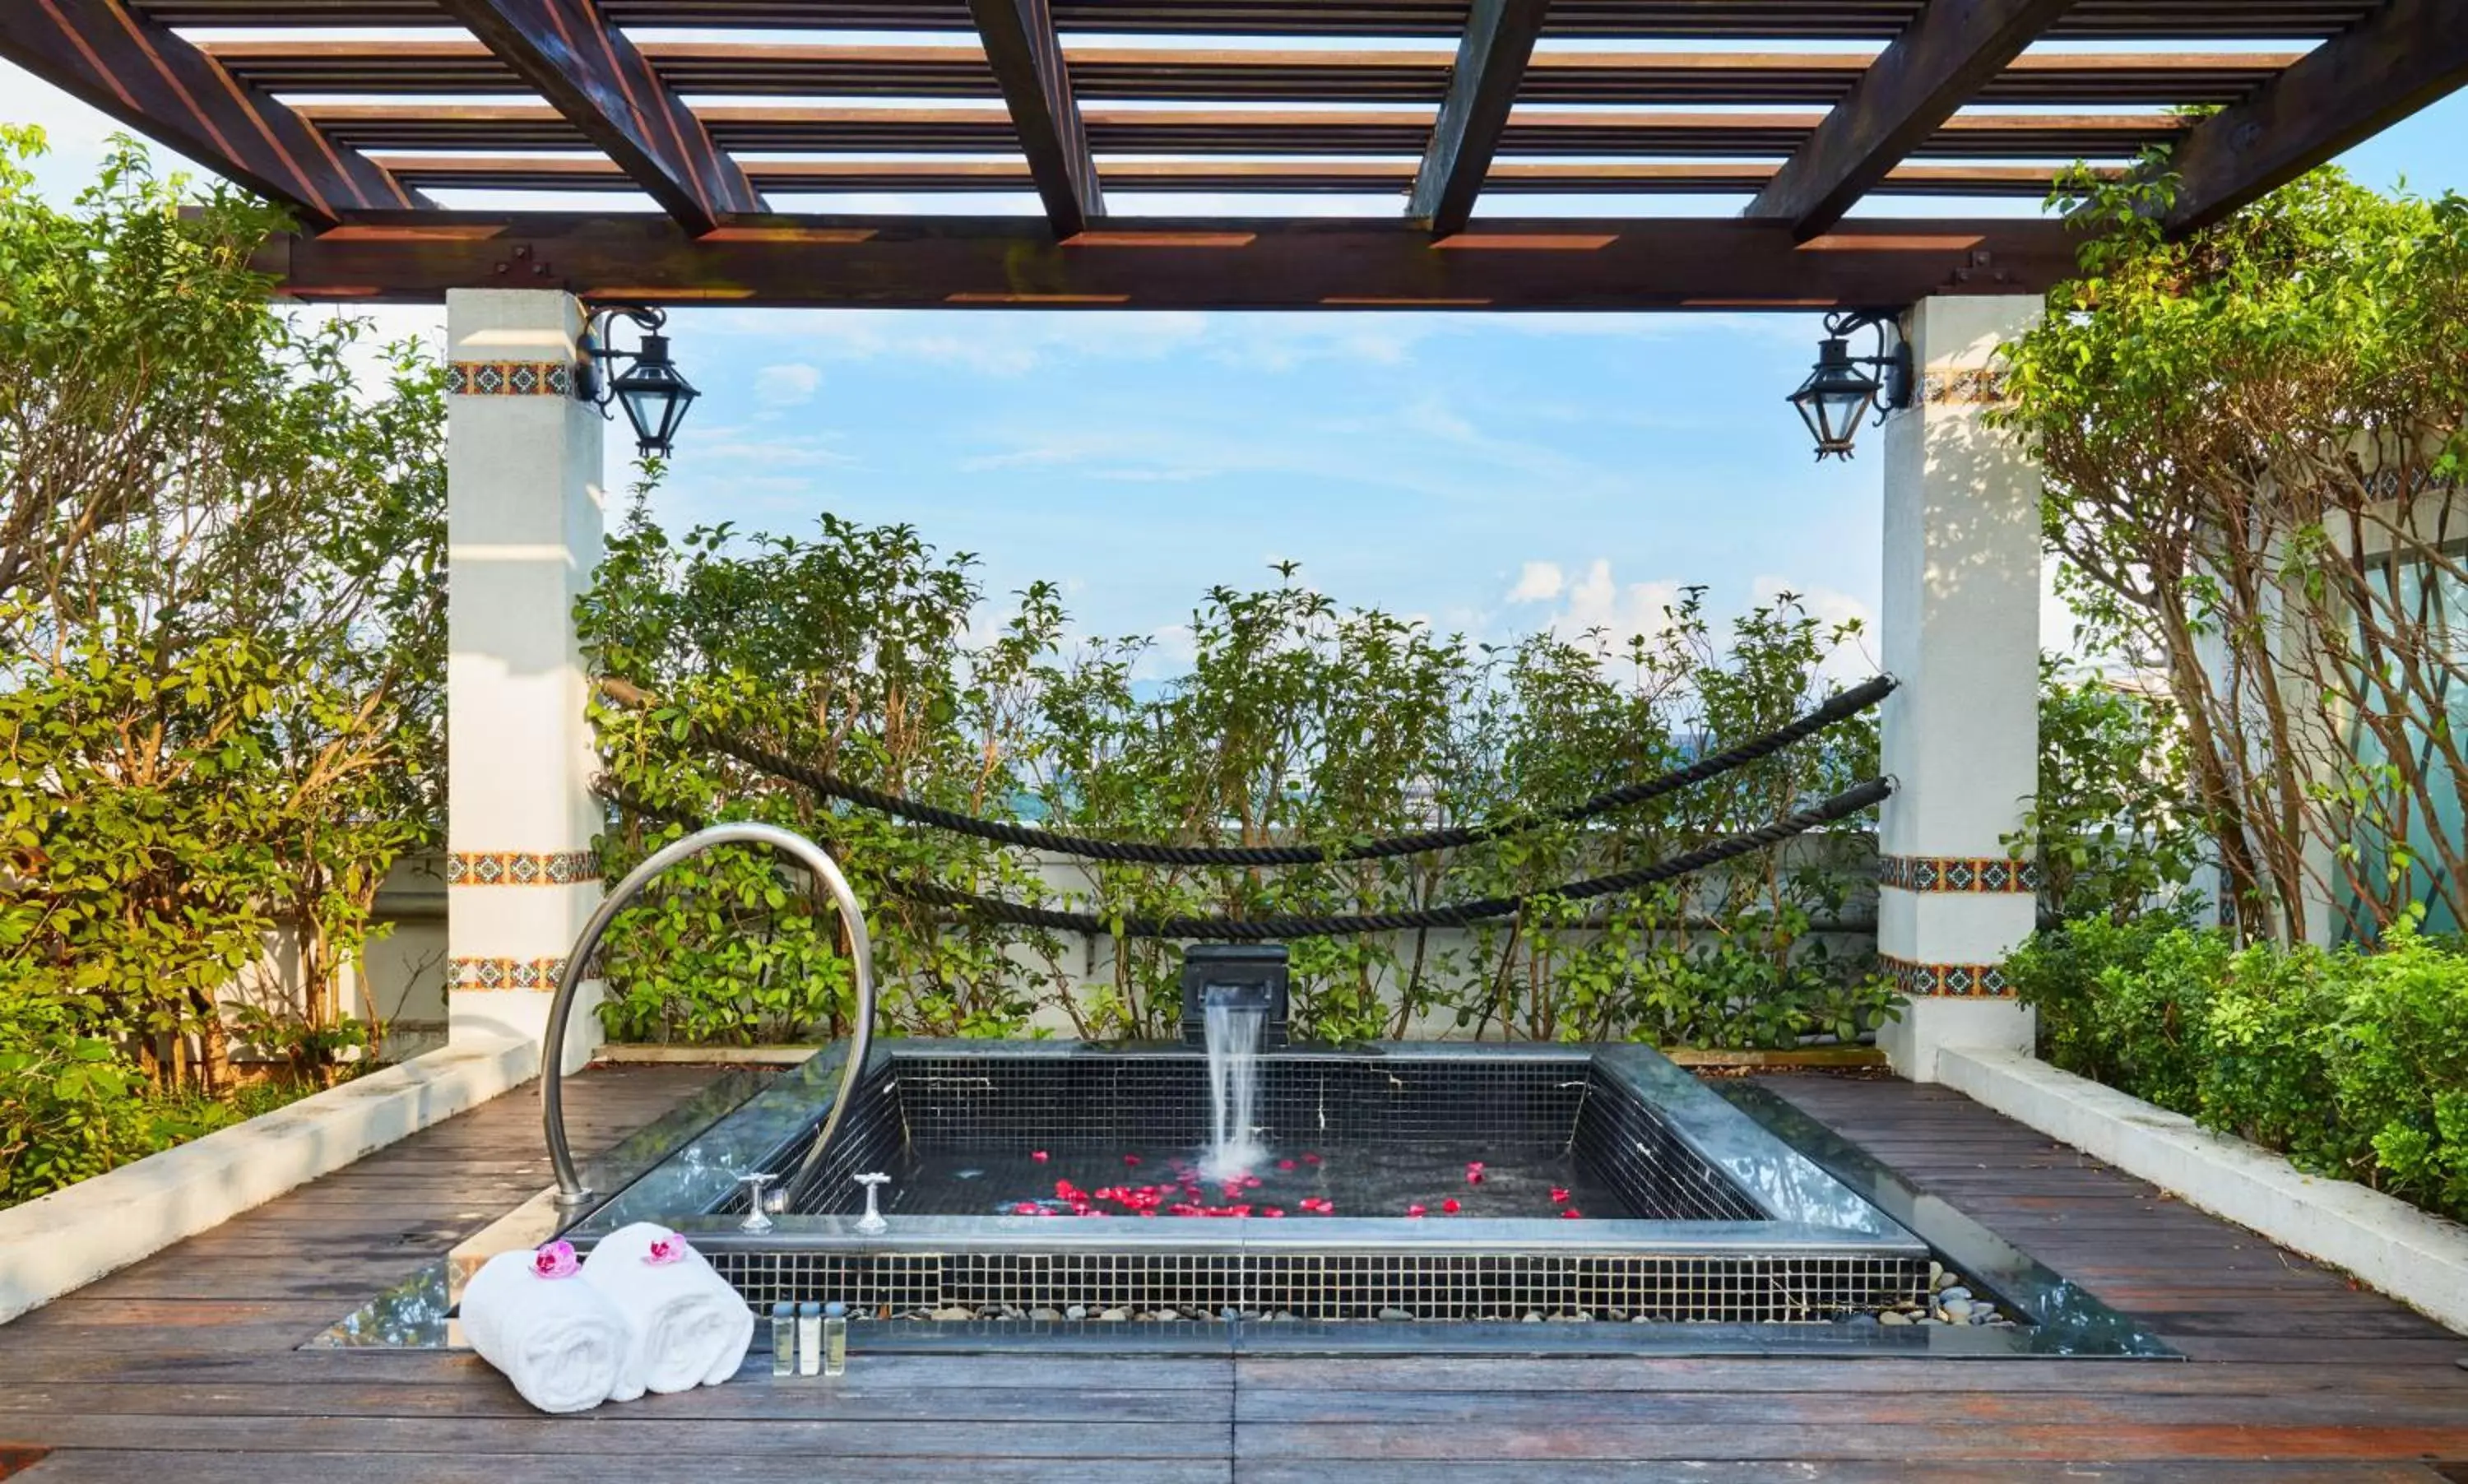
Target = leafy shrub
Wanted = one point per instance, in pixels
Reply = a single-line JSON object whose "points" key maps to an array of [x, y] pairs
{"points": [[1295, 720], [2109, 824], [2353, 1064], [69, 1107], [222, 604]]}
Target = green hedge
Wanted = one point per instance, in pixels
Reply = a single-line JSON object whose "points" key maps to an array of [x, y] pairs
{"points": [[2352, 1064]]}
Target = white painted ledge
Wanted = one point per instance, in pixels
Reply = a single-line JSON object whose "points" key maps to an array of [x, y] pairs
{"points": [[2419, 1259], [72, 1237]]}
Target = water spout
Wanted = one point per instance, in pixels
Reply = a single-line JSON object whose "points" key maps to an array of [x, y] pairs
{"points": [[1233, 1032]]}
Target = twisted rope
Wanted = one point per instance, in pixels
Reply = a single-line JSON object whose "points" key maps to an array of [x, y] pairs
{"points": [[1842, 806], [1851, 702]]}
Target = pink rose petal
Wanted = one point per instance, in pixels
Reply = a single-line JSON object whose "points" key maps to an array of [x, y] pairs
{"points": [[1415, 1210], [1037, 1155], [1571, 1213], [1559, 1195], [1450, 1205]]}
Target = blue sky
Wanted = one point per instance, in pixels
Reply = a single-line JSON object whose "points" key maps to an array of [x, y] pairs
{"points": [[1493, 474]]}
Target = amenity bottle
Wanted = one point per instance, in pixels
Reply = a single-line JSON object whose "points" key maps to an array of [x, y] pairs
{"points": [[835, 1338]]}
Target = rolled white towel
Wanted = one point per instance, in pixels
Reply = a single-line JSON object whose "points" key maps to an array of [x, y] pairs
{"points": [[559, 1339], [691, 1329]]}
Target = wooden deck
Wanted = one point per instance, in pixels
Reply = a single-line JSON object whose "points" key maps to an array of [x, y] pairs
{"points": [[183, 1369]]}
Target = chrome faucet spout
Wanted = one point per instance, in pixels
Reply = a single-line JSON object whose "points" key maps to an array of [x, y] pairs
{"points": [[571, 1192]]}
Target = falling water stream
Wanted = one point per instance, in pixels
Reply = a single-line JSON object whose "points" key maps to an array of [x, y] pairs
{"points": [[1233, 1084]]}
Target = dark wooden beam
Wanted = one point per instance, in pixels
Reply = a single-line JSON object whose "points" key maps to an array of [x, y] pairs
{"points": [[1946, 55], [1311, 263], [159, 84], [2405, 55], [589, 71], [1492, 54], [1026, 54]]}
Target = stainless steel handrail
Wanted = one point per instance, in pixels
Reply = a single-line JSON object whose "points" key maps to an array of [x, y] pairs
{"points": [[571, 1192]]}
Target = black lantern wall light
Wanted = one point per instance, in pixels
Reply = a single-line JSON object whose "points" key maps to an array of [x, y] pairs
{"points": [[656, 396], [1839, 392]]}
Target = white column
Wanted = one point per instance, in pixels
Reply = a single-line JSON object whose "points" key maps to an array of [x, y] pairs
{"points": [[1961, 631], [523, 531]]}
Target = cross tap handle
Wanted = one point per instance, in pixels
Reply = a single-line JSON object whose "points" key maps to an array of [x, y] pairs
{"points": [[755, 1217], [872, 1223]]}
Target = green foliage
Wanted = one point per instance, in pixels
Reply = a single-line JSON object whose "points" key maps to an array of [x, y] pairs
{"points": [[221, 592], [2108, 826], [2353, 1063], [1294, 719], [69, 1105], [2224, 420]]}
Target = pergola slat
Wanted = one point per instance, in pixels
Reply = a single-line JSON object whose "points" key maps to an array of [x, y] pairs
{"points": [[1358, 177], [1868, 20], [933, 262], [1227, 74], [157, 83], [1904, 98], [592, 73], [825, 130], [1026, 54], [1499, 40], [2409, 55]]}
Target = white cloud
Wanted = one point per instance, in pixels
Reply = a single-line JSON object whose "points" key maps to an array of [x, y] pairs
{"points": [[1617, 611], [785, 385], [1005, 344], [1170, 654], [1854, 660], [740, 446], [1537, 581]]}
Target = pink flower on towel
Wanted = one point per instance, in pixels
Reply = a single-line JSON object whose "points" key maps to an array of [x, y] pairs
{"points": [[557, 1260], [671, 1249]]}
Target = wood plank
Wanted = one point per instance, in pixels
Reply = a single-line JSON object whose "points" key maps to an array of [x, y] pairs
{"points": [[1672, 1376], [111, 57], [1026, 54], [2183, 1437], [478, 1392], [115, 1466], [1699, 1471], [1993, 1404], [593, 74], [1575, 264], [1489, 66], [2407, 55], [637, 1429], [1907, 94]]}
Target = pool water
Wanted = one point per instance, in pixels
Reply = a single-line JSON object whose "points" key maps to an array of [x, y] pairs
{"points": [[1293, 1182]]}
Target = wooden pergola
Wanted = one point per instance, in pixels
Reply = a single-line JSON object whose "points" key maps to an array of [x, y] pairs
{"points": [[1437, 102]]}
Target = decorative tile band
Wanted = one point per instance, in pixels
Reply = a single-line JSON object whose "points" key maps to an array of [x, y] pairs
{"points": [[1957, 874], [504, 974], [520, 868], [1956, 981], [1979, 386], [509, 379]]}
